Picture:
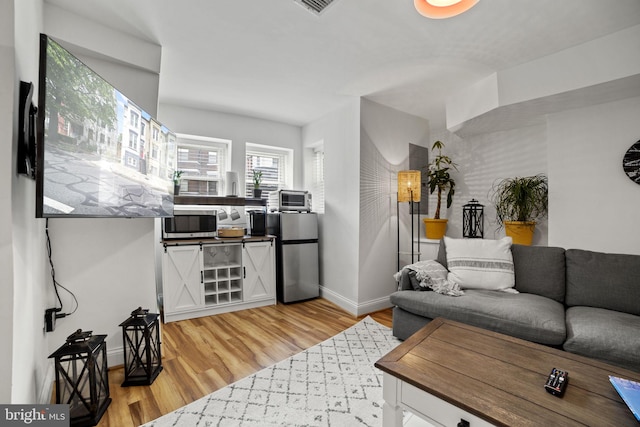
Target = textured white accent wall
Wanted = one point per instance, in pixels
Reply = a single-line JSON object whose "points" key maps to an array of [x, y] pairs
{"points": [[482, 160], [593, 204]]}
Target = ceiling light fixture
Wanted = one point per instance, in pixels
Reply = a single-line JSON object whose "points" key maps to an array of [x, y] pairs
{"points": [[440, 9]]}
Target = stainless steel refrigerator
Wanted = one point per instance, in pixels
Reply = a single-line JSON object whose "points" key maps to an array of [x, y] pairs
{"points": [[297, 271]]}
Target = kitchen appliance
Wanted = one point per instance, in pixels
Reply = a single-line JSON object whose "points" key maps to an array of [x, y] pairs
{"points": [[190, 222], [297, 271], [294, 200], [258, 222], [232, 184]]}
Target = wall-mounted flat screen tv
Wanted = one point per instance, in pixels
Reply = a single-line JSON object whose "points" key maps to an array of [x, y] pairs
{"points": [[98, 153]]}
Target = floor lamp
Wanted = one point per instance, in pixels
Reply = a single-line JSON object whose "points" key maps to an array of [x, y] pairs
{"points": [[408, 191]]}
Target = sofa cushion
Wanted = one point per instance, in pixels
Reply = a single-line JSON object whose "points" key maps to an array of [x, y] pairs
{"points": [[608, 335], [480, 263], [527, 316], [540, 270], [602, 280]]}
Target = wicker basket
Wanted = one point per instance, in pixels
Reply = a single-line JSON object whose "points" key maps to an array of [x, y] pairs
{"points": [[231, 232]]}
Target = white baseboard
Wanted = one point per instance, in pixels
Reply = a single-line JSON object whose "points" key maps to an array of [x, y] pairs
{"points": [[115, 357], [357, 309], [44, 398], [374, 305]]}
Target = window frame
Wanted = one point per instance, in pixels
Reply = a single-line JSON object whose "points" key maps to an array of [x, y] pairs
{"points": [[223, 146], [285, 154]]}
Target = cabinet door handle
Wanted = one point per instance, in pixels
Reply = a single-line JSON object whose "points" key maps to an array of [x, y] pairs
{"points": [[244, 272], [202, 277]]}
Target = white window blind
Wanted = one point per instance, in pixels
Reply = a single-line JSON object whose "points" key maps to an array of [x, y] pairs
{"points": [[274, 165], [317, 185], [203, 162]]}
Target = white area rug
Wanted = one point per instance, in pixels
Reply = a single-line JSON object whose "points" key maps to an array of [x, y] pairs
{"points": [[333, 383]]}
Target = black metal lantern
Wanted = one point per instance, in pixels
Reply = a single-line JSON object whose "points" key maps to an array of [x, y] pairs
{"points": [[82, 379], [473, 220], [142, 355]]}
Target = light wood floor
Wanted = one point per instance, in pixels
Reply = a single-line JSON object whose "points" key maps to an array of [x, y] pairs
{"points": [[202, 355]]}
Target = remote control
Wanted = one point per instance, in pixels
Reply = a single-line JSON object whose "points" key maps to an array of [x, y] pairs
{"points": [[557, 382]]}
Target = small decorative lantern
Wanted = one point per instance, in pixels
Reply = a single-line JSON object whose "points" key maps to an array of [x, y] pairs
{"points": [[409, 186], [142, 355], [409, 182], [82, 379], [473, 220]]}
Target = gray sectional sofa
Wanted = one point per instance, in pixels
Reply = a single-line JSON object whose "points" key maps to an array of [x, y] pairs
{"points": [[584, 302]]}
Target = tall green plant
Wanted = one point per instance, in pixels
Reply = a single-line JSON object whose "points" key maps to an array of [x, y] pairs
{"points": [[521, 198], [439, 178]]}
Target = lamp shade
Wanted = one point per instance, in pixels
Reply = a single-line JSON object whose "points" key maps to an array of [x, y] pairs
{"points": [[409, 186], [440, 9]]}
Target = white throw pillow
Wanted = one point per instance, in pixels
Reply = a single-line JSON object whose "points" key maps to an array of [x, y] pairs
{"points": [[481, 264]]}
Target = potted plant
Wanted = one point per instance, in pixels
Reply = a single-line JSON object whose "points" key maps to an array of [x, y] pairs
{"points": [[177, 180], [519, 203], [440, 180], [257, 180]]}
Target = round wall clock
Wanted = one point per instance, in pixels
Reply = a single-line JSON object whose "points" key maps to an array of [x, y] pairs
{"points": [[631, 162]]}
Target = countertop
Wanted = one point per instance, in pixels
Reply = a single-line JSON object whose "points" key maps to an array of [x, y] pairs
{"points": [[217, 240]]}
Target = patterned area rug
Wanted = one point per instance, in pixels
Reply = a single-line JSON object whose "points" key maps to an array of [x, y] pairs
{"points": [[333, 383]]}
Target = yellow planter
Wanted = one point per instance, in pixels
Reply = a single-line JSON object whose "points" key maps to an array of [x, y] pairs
{"points": [[520, 231], [435, 228]]}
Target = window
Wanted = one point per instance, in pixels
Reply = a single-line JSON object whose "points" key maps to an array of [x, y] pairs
{"points": [[133, 140], [317, 180], [134, 119], [203, 162], [275, 165]]}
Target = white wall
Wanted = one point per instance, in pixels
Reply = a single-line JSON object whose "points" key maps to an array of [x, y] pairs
{"points": [[7, 95], [108, 263], [339, 225], [581, 151], [31, 370], [593, 204], [385, 135], [238, 129]]}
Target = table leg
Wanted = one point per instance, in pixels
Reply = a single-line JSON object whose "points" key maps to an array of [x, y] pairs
{"points": [[391, 410]]}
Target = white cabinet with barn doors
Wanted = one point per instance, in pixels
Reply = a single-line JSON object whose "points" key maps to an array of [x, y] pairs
{"points": [[205, 278]]}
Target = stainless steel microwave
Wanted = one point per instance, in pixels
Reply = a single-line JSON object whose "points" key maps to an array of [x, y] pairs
{"points": [[294, 200], [190, 222]]}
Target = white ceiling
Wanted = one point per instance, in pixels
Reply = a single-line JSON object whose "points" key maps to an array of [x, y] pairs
{"points": [[276, 60]]}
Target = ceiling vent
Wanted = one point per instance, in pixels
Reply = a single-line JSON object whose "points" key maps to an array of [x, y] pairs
{"points": [[315, 6]]}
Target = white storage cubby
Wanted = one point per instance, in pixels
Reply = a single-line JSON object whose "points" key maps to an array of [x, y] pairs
{"points": [[222, 273]]}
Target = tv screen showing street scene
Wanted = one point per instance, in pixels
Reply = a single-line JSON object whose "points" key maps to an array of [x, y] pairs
{"points": [[99, 154]]}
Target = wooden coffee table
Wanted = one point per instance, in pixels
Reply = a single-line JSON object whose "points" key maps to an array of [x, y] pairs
{"points": [[448, 372]]}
